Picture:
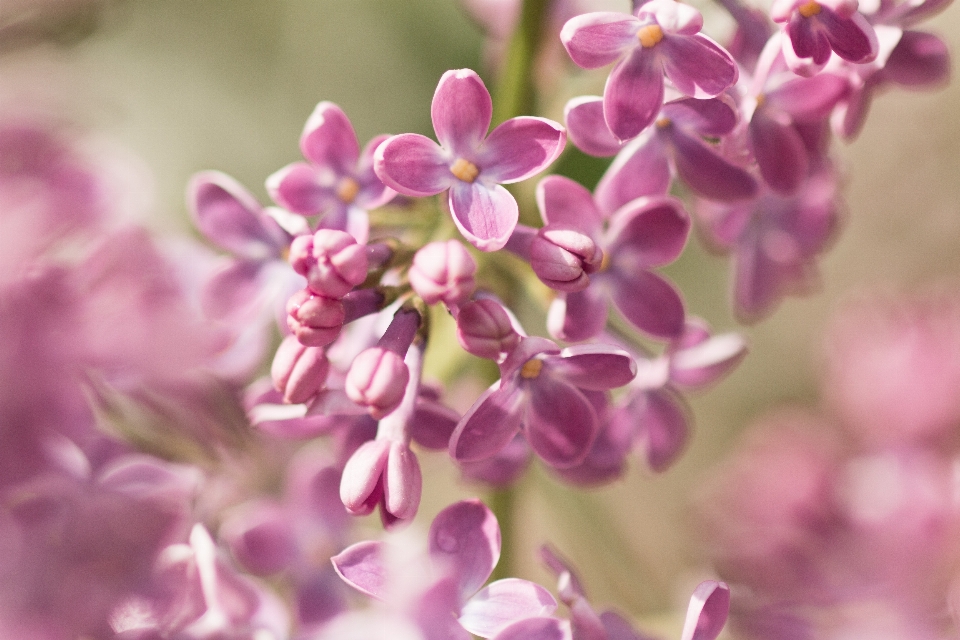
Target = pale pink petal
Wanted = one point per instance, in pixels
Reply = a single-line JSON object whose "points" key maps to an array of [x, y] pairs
{"points": [[633, 94], [504, 602], [707, 613], [361, 566], [297, 188], [594, 366], [596, 39], [520, 148], [465, 538], [461, 111], [578, 316], [641, 169], [697, 66], [413, 165], [587, 127], [650, 303], [329, 140], [707, 173], [649, 232], [486, 216], [488, 426], [565, 201], [539, 628], [561, 423]]}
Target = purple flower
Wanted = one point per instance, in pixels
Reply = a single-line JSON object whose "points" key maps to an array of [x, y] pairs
{"points": [[662, 39], [641, 234], [468, 162], [464, 547], [815, 29], [339, 181], [540, 392]]}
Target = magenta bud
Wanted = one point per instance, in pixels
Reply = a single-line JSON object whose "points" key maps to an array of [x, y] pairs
{"points": [[299, 372], [384, 472], [339, 264], [443, 272], [300, 256], [315, 320], [562, 257], [484, 329], [377, 380]]}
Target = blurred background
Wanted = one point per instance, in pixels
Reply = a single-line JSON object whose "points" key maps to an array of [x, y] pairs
{"points": [[187, 85]]}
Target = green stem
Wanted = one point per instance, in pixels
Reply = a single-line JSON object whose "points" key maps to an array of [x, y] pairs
{"points": [[503, 504], [515, 95]]}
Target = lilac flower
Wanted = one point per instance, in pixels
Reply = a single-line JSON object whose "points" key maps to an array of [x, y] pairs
{"points": [[815, 29], [469, 163], [539, 392], [677, 141], [661, 39], [775, 241], [641, 234], [339, 181], [464, 547]]}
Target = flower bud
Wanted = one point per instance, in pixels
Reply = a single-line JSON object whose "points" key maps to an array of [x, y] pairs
{"points": [[484, 329], [315, 320], [443, 272], [377, 380], [563, 257], [331, 261], [384, 472], [299, 372]]}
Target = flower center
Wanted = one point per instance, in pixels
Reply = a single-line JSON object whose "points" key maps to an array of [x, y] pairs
{"points": [[650, 35], [464, 170], [347, 190], [605, 262], [810, 8], [531, 368], [663, 123]]}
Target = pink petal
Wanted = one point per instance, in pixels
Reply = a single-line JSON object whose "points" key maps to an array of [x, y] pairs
{"points": [[578, 316], [633, 94], [520, 148], [433, 424], [809, 99], [594, 366], [587, 127], [297, 188], [707, 613], [413, 165], [852, 38], [697, 66], [640, 169], [674, 17], [665, 428], [709, 117], [561, 424], [465, 538], [708, 361], [488, 426], [539, 628], [461, 111], [780, 152], [565, 201], [707, 173], [233, 290], [228, 215], [329, 140], [504, 602], [361, 566], [919, 60], [649, 232], [373, 193], [486, 216], [596, 39], [650, 303]]}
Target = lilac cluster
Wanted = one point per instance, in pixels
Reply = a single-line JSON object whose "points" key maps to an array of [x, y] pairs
{"points": [[845, 522]]}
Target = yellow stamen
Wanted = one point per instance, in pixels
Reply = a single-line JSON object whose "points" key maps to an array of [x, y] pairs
{"points": [[663, 123], [464, 170], [605, 262], [761, 99], [808, 9], [650, 35], [347, 190], [531, 368]]}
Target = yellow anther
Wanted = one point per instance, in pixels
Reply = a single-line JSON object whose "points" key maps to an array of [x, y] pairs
{"points": [[531, 368], [464, 170], [808, 9], [663, 123], [347, 189], [650, 35], [761, 98], [604, 262]]}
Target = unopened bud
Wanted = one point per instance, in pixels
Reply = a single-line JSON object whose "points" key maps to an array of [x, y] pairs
{"points": [[563, 257], [484, 329], [315, 320], [299, 372], [443, 272], [332, 262], [377, 380]]}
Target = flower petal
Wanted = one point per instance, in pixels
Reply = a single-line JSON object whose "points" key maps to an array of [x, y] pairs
{"points": [[665, 428], [709, 117], [697, 66], [361, 566], [504, 602], [489, 425], [539, 628], [596, 39], [808, 99], [229, 216], [433, 424], [520, 148], [633, 94], [852, 38], [373, 193], [329, 140], [578, 316], [297, 188], [413, 164], [649, 232], [486, 216], [561, 424], [587, 127], [707, 173], [465, 538], [650, 303], [919, 60], [594, 366], [780, 152], [640, 169], [565, 201], [706, 362], [708, 610], [461, 111]]}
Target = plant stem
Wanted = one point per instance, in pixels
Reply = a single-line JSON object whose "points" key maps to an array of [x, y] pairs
{"points": [[503, 504], [515, 93]]}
